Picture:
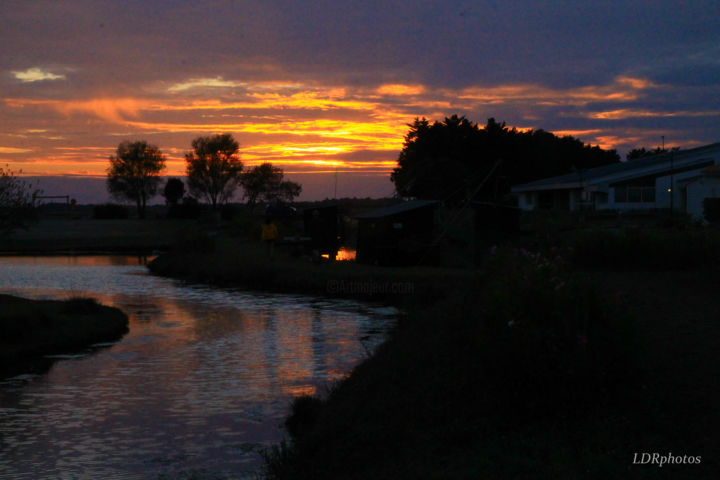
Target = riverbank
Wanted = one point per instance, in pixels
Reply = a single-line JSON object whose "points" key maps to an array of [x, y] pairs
{"points": [[87, 235], [485, 378], [32, 329], [244, 263]]}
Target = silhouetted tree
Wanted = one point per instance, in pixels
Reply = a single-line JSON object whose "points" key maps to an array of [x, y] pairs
{"points": [[641, 152], [288, 191], [17, 201], [174, 191], [214, 168], [265, 182], [455, 159], [134, 173]]}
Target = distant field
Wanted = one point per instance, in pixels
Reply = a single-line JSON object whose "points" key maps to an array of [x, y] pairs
{"points": [[80, 235]]}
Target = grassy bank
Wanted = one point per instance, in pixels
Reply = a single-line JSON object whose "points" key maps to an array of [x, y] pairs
{"points": [[30, 329], [531, 368], [457, 394], [244, 263]]}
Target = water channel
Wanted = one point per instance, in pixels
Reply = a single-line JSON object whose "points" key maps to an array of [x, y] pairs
{"points": [[202, 381]]}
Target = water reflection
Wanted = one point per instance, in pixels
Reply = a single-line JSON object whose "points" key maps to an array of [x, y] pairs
{"points": [[203, 377]]}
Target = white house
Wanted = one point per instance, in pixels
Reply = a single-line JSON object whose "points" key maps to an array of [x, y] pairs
{"points": [[678, 180]]}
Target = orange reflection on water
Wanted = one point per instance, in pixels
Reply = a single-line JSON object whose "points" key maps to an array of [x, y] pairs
{"points": [[215, 366]]}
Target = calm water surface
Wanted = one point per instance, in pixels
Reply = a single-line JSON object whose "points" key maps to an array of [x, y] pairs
{"points": [[201, 382]]}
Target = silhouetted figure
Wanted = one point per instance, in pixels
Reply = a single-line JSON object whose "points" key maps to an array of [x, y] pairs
{"points": [[268, 236]]}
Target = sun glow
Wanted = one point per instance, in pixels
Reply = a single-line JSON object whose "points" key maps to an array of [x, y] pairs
{"points": [[297, 126]]}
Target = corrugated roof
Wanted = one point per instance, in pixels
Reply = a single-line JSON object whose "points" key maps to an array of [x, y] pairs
{"points": [[591, 174], [397, 208]]}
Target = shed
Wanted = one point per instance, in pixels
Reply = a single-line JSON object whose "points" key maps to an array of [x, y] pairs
{"points": [[396, 235], [324, 228]]}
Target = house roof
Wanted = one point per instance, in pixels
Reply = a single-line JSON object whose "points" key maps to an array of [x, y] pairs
{"points": [[622, 170], [397, 208], [713, 171]]}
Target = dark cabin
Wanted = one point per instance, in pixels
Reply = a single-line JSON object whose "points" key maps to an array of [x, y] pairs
{"points": [[324, 229], [396, 235]]}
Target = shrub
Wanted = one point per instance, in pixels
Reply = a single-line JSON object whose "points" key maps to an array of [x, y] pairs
{"points": [[549, 341], [305, 411], [110, 211]]}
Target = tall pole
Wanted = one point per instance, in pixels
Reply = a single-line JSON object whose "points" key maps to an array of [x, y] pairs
{"points": [[672, 181], [335, 175]]}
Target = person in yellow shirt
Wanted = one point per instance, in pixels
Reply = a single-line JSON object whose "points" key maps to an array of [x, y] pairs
{"points": [[268, 236]]}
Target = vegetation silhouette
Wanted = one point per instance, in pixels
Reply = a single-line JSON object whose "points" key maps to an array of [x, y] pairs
{"points": [[134, 173], [265, 182], [641, 152], [174, 191], [450, 160], [17, 201], [32, 329], [214, 168]]}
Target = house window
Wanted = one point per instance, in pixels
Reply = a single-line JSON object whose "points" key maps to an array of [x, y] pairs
{"points": [[601, 198], [636, 191]]}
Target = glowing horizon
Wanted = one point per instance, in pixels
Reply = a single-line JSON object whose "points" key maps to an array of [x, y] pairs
{"points": [[298, 126]]}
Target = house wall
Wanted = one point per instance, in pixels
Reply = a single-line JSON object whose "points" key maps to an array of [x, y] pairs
{"points": [[527, 201], [699, 190], [678, 198], [662, 195]]}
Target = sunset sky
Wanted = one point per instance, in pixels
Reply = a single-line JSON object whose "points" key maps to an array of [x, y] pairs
{"points": [[322, 86]]}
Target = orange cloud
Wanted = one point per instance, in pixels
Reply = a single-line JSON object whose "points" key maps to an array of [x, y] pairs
{"points": [[400, 89], [623, 89], [14, 150], [623, 113], [576, 133], [110, 109], [306, 127]]}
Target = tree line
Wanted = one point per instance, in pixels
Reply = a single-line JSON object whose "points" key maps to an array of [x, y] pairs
{"points": [[456, 160], [213, 168]]}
